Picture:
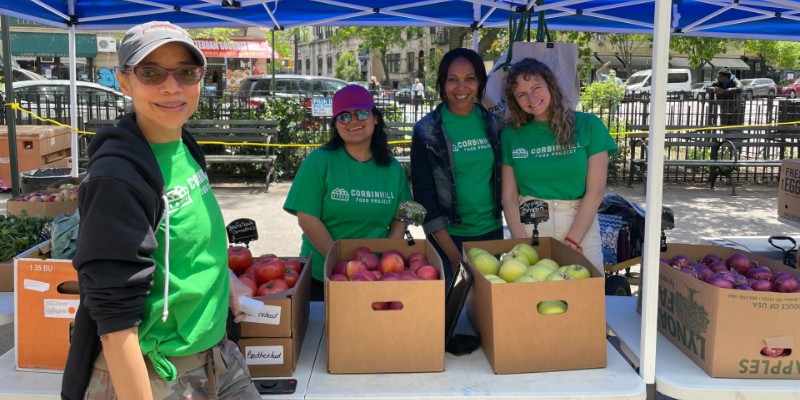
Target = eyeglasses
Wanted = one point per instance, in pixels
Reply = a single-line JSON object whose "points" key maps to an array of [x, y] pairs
{"points": [[345, 117], [155, 75]]}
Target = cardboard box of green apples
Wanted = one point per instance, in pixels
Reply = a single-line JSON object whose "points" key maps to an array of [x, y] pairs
{"points": [[537, 308]]}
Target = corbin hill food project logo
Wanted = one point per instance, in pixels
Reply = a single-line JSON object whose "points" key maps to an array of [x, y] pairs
{"points": [[519, 153], [178, 198], [340, 194]]}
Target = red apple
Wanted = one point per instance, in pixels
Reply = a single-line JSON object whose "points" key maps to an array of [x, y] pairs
{"points": [[272, 287], [390, 276], [360, 252], [391, 262], [407, 275], [428, 273], [417, 256], [353, 267], [413, 266], [393, 251], [364, 275], [339, 277], [371, 260], [377, 274], [340, 267]]}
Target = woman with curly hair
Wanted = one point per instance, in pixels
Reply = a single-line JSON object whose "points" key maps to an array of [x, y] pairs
{"points": [[554, 154]]}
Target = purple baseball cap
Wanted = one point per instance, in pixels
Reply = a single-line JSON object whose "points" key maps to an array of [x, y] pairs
{"points": [[143, 39], [352, 97]]}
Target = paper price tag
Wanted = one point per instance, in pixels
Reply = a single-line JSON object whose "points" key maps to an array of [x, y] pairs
{"points": [[58, 308], [270, 315], [36, 286], [263, 355]]}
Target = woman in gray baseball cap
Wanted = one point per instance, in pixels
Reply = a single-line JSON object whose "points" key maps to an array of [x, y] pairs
{"points": [[152, 258]]}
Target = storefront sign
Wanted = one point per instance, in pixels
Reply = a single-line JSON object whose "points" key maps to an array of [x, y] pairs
{"points": [[236, 48]]}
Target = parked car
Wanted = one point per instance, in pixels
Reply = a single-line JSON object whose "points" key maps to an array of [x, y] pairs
{"points": [[50, 99], [790, 87], [382, 100], [679, 83], [700, 90], [256, 88], [758, 87]]}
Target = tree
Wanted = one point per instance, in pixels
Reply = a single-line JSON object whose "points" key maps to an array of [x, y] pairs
{"points": [[775, 54], [283, 42], [700, 49], [376, 39], [582, 39], [218, 34], [487, 38], [347, 67], [432, 67], [625, 45]]}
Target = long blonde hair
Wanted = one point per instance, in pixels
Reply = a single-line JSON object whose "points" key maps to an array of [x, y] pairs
{"points": [[562, 119]]}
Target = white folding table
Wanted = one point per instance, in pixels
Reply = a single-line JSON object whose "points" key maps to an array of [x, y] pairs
{"points": [[678, 376]]}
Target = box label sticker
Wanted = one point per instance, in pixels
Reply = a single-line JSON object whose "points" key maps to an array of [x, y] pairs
{"points": [[268, 314], [37, 286], [58, 308], [682, 317], [263, 355]]}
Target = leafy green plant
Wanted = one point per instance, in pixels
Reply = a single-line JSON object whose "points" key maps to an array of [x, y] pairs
{"points": [[289, 114], [19, 233], [601, 97]]}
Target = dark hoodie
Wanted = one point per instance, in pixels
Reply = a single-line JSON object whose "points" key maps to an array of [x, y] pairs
{"points": [[121, 206]]}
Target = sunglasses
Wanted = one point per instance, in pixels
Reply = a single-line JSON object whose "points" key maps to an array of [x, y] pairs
{"points": [[155, 75], [345, 117]]}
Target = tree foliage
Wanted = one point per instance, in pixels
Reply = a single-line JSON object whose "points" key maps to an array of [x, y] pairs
{"points": [[347, 67], [283, 42], [487, 38], [378, 39], [582, 39], [783, 55], [625, 45], [218, 34]]}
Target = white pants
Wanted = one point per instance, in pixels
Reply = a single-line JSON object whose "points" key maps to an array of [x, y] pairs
{"points": [[562, 213]]}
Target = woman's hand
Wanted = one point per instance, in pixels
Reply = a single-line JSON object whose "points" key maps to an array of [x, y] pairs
{"points": [[237, 289]]}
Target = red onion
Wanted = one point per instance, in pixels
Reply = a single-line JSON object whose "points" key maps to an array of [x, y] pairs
{"points": [[744, 287], [665, 261], [739, 263], [710, 258], [760, 272], [762, 285], [680, 261], [703, 271], [718, 266], [785, 283], [689, 272], [719, 280], [772, 352]]}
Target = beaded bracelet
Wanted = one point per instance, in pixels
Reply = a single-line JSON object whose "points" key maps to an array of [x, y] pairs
{"points": [[574, 243]]}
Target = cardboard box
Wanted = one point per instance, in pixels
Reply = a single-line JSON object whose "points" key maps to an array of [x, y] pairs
{"points": [[54, 187], [45, 302], [724, 330], [363, 340], [7, 276], [283, 313], [43, 208], [37, 146], [789, 190], [516, 338], [274, 357]]}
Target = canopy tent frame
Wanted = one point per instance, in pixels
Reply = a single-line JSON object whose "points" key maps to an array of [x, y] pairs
{"points": [[743, 19]]}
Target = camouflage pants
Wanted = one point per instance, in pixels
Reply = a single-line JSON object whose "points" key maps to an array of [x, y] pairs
{"points": [[225, 377]]}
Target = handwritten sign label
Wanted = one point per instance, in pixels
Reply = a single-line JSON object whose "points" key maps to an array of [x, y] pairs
{"points": [[411, 212], [242, 230], [322, 107], [270, 315], [263, 355], [667, 218], [534, 212]]}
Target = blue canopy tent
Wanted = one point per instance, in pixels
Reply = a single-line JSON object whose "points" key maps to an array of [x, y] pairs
{"points": [[743, 19]]}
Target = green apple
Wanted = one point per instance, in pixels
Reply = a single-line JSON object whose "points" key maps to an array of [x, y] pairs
{"points": [[526, 278], [576, 271], [558, 276], [549, 262], [490, 276], [550, 307], [496, 280], [511, 269], [539, 271], [486, 263], [471, 253], [529, 251], [518, 255]]}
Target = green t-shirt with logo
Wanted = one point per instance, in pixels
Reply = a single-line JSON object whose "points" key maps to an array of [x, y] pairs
{"points": [[352, 199], [473, 161], [198, 260], [547, 171]]}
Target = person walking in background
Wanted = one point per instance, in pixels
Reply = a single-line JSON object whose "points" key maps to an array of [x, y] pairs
{"points": [[417, 95], [351, 186], [152, 259], [612, 74], [455, 161], [374, 86], [554, 154]]}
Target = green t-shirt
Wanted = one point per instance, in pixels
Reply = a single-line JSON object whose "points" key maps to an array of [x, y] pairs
{"points": [[198, 282], [547, 171], [473, 163], [352, 199]]}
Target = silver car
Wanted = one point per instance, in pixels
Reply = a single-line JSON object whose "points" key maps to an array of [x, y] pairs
{"points": [[50, 99], [758, 87]]}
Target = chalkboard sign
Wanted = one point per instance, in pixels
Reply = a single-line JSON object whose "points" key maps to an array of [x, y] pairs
{"points": [[242, 230], [411, 212], [534, 212], [667, 218]]}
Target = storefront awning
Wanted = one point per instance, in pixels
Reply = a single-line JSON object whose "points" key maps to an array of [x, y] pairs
{"points": [[732, 63], [39, 44], [236, 48]]}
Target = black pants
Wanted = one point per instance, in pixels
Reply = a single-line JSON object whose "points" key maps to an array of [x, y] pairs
{"points": [[459, 241]]}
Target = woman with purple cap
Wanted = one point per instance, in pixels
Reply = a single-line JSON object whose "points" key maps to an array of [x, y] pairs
{"points": [[152, 259], [350, 187]]}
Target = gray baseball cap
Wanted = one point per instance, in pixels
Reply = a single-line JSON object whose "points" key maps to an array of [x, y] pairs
{"points": [[143, 39]]}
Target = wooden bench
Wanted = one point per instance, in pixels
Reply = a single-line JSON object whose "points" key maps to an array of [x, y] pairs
{"points": [[729, 142], [401, 131], [229, 133]]}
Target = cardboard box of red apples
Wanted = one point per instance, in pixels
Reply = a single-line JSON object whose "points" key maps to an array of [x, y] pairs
{"points": [[390, 325], [272, 339], [516, 338], [728, 332]]}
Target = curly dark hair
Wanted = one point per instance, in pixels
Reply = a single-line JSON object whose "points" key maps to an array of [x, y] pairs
{"points": [[379, 144], [444, 67], [562, 119]]}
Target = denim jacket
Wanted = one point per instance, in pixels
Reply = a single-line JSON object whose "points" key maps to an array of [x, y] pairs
{"points": [[433, 180]]}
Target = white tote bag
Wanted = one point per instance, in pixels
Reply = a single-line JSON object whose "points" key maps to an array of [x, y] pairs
{"points": [[562, 58]]}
